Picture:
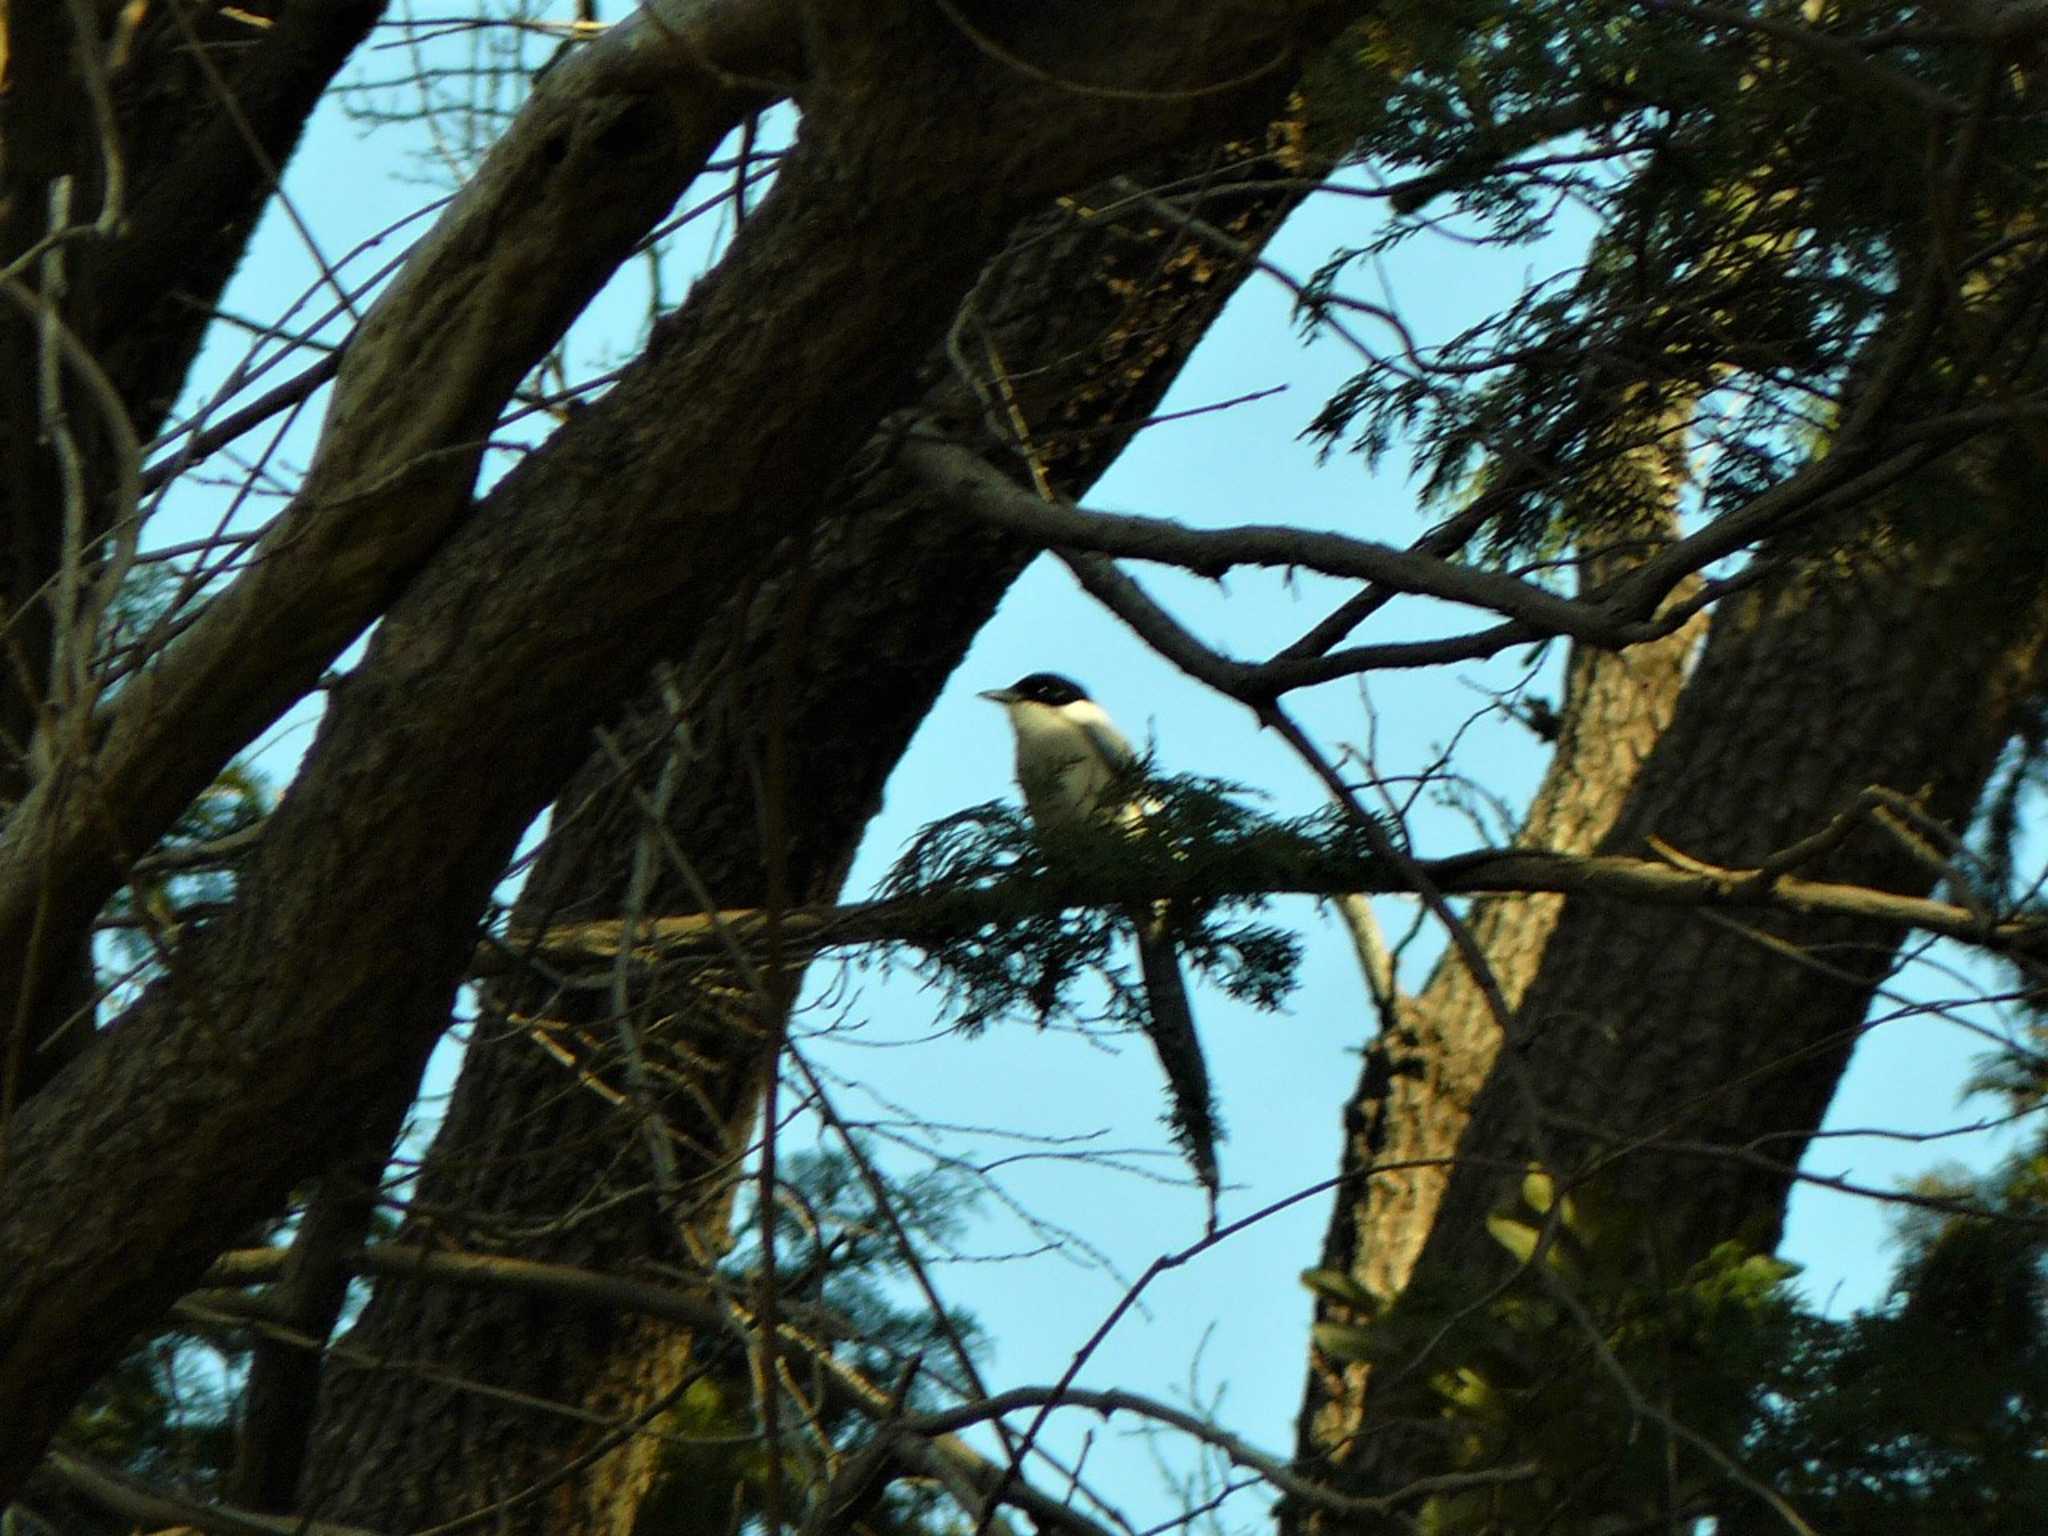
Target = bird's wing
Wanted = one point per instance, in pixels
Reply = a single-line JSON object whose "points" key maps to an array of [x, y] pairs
{"points": [[1170, 1021], [1114, 751], [1108, 742]]}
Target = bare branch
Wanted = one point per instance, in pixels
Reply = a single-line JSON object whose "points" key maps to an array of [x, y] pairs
{"points": [[604, 148], [955, 915], [155, 1510], [978, 489]]}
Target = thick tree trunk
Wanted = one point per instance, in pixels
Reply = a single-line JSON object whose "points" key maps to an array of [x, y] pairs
{"points": [[827, 670], [289, 1019], [1667, 1046], [203, 106], [1427, 1065]]}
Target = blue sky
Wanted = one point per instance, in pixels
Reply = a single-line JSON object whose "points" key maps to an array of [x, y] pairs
{"points": [[1235, 1321]]}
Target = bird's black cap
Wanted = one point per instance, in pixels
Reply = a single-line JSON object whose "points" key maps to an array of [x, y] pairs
{"points": [[1040, 688]]}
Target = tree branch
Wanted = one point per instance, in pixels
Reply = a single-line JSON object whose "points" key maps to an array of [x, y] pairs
{"points": [[950, 916], [931, 1451], [605, 146], [251, 1066], [978, 489], [151, 1509]]}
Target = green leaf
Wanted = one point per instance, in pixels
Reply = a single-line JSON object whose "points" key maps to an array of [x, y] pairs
{"points": [[1335, 1285], [1343, 1341], [1519, 1238]]}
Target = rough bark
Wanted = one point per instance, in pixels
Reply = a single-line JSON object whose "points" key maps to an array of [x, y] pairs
{"points": [[150, 151], [1893, 650], [562, 200], [1431, 1058], [249, 1067], [209, 103], [838, 655]]}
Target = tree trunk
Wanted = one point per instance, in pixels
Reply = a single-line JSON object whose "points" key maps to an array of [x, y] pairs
{"points": [[205, 104], [190, 1119], [1660, 1047], [826, 671]]}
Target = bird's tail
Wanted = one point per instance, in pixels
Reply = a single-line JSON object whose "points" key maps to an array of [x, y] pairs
{"points": [[1171, 1025]]}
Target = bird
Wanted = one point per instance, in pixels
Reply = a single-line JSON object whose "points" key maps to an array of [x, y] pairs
{"points": [[1075, 769]]}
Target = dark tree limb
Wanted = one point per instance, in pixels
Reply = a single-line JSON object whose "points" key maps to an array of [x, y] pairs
{"points": [[247, 1070]]}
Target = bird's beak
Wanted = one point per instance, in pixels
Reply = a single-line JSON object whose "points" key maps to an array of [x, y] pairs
{"points": [[1000, 695]]}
